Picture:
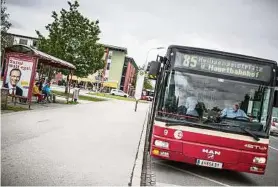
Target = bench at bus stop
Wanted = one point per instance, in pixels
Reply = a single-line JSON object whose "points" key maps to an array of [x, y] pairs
{"points": [[9, 99]]}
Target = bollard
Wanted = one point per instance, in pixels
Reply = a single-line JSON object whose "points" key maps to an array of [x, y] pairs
{"points": [[136, 103]]}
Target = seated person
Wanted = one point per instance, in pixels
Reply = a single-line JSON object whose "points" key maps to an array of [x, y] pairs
{"points": [[47, 92], [37, 93], [190, 104], [233, 112]]}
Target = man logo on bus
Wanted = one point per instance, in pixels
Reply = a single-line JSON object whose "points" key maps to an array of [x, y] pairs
{"points": [[210, 156], [211, 153]]}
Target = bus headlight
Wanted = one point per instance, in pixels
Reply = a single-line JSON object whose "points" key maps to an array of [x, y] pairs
{"points": [[259, 160], [162, 144]]}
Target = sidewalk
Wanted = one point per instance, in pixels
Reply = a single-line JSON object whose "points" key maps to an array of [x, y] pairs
{"points": [[85, 145]]}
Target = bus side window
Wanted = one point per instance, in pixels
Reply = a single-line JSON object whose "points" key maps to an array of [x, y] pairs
{"points": [[275, 102]]}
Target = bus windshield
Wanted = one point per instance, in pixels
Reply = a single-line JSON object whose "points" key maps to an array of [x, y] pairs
{"points": [[201, 98]]}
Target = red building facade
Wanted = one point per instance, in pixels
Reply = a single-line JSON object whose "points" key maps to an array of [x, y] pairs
{"points": [[128, 75]]}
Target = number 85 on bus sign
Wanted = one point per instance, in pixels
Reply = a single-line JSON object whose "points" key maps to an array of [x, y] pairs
{"points": [[190, 61]]}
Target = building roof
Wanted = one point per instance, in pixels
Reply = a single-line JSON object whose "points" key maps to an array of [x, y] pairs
{"points": [[123, 49], [22, 36], [45, 58], [116, 48], [132, 62]]}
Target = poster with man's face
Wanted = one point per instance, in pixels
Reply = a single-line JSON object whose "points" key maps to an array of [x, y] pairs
{"points": [[19, 73]]}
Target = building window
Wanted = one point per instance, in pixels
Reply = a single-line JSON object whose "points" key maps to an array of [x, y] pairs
{"points": [[126, 62], [108, 66], [122, 81], [35, 43], [124, 71], [23, 41], [110, 54]]}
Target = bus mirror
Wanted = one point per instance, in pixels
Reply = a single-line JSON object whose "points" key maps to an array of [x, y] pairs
{"points": [[148, 67], [275, 102], [160, 59], [154, 69]]}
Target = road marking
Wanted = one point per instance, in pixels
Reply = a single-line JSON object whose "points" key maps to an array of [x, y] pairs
{"points": [[194, 174], [164, 184], [273, 148], [42, 120], [274, 137]]}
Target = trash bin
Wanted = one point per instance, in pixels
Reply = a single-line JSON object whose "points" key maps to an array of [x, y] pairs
{"points": [[53, 98], [75, 94]]}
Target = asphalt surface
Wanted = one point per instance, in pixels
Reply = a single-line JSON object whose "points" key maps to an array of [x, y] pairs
{"points": [[87, 144], [169, 173]]}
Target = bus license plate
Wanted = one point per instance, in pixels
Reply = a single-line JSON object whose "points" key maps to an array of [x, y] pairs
{"points": [[210, 164]]}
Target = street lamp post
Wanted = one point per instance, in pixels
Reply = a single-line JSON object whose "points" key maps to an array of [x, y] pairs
{"points": [[139, 84]]}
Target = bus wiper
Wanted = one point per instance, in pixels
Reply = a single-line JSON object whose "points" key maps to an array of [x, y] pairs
{"points": [[244, 129], [251, 133]]}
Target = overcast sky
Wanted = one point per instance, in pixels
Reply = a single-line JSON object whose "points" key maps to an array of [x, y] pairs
{"points": [[242, 26]]}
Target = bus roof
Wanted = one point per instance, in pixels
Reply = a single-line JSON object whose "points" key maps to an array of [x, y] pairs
{"points": [[195, 49]]}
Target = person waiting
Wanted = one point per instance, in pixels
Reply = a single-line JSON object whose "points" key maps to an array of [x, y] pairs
{"points": [[47, 92], [41, 84], [37, 93]]}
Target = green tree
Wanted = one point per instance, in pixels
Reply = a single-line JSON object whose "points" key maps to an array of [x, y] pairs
{"points": [[5, 25], [73, 38], [148, 84]]}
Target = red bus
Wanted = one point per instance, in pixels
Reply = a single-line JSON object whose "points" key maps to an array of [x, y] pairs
{"points": [[212, 108]]}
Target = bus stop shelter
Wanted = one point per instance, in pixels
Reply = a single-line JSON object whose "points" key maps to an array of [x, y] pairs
{"points": [[21, 66]]}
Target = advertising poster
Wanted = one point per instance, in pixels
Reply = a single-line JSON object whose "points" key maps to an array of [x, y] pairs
{"points": [[19, 73]]}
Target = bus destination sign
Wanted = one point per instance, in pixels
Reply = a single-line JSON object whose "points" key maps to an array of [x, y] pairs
{"points": [[222, 66]]}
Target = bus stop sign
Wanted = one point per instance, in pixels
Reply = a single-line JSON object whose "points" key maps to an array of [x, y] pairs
{"points": [[139, 84]]}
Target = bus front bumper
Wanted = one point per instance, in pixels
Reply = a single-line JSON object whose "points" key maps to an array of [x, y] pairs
{"points": [[180, 157]]}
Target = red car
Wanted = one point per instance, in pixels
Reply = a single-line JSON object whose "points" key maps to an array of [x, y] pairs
{"points": [[274, 126]]}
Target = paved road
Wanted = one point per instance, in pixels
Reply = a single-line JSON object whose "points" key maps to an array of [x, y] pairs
{"points": [[89, 144], [169, 173]]}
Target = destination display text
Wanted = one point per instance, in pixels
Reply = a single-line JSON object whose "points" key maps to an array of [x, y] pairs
{"points": [[223, 66]]}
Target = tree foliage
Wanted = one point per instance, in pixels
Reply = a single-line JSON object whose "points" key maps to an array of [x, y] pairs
{"points": [[5, 24], [147, 84], [73, 38]]}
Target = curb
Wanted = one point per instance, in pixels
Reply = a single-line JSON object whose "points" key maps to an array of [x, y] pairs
{"points": [[147, 176], [137, 168]]}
